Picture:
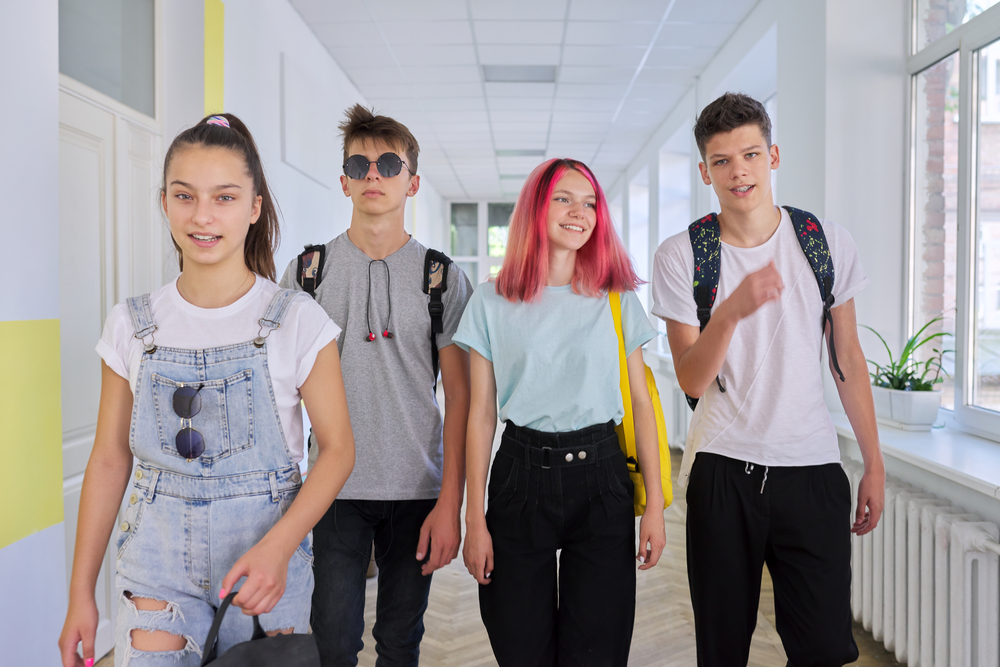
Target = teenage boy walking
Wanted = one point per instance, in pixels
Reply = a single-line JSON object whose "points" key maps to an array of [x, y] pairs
{"points": [[405, 493], [766, 485]]}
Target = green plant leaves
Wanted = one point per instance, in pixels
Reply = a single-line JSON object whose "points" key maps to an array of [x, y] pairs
{"points": [[907, 373]]}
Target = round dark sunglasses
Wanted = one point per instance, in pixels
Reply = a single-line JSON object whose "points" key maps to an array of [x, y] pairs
{"points": [[187, 403], [388, 165]]}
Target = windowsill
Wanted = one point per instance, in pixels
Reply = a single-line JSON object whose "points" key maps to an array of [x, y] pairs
{"points": [[956, 456]]}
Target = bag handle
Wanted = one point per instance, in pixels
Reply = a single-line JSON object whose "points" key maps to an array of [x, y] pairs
{"points": [[628, 420], [208, 648]]}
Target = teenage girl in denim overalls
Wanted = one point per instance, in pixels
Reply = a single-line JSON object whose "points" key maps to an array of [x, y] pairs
{"points": [[201, 383], [543, 341]]}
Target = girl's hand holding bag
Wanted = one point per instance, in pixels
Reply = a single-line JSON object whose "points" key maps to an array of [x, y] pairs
{"points": [[261, 650]]}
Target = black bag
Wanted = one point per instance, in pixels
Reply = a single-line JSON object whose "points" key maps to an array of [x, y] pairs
{"points": [[261, 650]]}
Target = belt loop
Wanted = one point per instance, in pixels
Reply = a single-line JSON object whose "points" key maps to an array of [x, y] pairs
{"points": [[272, 478], [546, 457], [154, 477]]}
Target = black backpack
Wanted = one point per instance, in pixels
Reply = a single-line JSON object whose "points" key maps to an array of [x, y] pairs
{"points": [[435, 283], [706, 242]]}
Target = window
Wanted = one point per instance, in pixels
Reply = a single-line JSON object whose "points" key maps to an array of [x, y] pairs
{"points": [[479, 237], [638, 230], [108, 45], [497, 226], [955, 199]]}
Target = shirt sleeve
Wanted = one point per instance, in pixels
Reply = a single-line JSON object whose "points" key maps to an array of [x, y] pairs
{"points": [[455, 299], [473, 331], [115, 339], [673, 274], [314, 331], [849, 276], [636, 327]]}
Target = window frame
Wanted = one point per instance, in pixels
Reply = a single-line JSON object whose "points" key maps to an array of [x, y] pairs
{"points": [[966, 40], [482, 259]]}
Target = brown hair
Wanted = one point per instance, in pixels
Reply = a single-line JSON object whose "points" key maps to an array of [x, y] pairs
{"points": [[727, 113], [262, 239], [363, 125]]}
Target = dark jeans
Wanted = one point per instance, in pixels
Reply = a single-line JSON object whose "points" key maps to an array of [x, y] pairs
{"points": [[342, 544], [795, 519], [583, 616]]}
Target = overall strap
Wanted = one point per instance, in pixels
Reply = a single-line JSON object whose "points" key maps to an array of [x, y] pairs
{"points": [[810, 235], [142, 319], [275, 313], [310, 268], [435, 283], [706, 243]]}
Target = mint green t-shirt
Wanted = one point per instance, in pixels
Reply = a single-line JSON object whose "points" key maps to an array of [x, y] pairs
{"points": [[555, 360]]}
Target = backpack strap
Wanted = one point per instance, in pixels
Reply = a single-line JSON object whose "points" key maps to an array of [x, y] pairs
{"points": [[310, 268], [706, 242], [435, 284], [810, 235]]}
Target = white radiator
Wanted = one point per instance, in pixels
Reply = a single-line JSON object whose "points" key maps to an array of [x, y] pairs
{"points": [[926, 581]]}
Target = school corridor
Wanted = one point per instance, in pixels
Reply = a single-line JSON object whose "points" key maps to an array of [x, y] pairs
{"points": [[887, 117]]}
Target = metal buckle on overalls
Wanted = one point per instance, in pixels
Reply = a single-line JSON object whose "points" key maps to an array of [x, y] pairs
{"points": [[546, 457]]}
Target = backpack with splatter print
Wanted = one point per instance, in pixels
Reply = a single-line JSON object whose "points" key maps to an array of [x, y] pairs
{"points": [[706, 241]]}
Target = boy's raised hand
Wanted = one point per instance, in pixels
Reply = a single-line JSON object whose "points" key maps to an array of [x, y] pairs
{"points": [[756, 289]]}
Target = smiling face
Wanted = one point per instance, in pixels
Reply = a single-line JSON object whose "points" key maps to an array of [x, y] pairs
{"points": [[210, 203], [738, 166], [377, 195], [572, 212]]}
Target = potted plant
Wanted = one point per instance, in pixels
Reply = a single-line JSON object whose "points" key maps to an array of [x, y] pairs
{"points": [[903, 388]]}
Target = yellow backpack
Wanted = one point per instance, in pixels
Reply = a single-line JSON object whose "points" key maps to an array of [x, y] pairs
{"points": [[626, 430]]}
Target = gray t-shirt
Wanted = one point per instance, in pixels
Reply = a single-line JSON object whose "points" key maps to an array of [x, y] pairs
{"points": [[389, 381]]}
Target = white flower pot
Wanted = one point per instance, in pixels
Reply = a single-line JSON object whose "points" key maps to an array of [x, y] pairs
{"points": [[908, 410]]}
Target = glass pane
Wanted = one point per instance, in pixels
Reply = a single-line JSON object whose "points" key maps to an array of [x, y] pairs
{"points": [[986, 360], [675, 184], [936, 18], [465, 230], [497, 225], [494, 270], [108, 45], [638, 229], [470, 271], [936, 208]]}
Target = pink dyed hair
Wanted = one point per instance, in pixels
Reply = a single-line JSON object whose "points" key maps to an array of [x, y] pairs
{"points": [[602, 264]]}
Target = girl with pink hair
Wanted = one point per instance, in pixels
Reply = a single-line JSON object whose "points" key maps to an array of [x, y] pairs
{"points": [[543, 345]]}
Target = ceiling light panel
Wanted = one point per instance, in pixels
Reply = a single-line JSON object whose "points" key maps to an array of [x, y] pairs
{"points": [[518, 165], [520, 153], [610, 33], [519, 73], [499, 10], [518, 32]]}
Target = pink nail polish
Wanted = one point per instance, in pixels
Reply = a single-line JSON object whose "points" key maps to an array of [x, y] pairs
{"points": [[89, 662], [222, 595]]}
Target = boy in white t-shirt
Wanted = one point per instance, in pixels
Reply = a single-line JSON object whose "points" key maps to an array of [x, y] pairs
{"points": [[766, 485]]}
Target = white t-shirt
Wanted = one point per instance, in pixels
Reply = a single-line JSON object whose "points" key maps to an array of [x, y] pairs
{"points": [[772, 412], [291, 350]]}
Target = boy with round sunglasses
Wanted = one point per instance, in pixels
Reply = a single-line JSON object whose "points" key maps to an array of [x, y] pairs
{"points": [[404, 496]]}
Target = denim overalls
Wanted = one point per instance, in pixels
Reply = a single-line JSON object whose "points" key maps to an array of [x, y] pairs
{"points": [[188, 521]]}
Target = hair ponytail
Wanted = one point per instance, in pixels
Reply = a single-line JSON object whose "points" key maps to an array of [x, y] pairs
{"points": [[227, 131]]}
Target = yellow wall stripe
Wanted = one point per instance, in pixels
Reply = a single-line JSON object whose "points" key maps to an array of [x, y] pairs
{"points": [[31, 442], [215, 30]]}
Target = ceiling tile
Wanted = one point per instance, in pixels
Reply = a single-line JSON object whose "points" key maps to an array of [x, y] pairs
{"points": [[518, 165], [610, 33], [705, 35], [580, 115], [343, 35], [602, 10], [351, 57], [442, 74], [518, 32], [679, 56], [611, 91], [683, 76], [430, 91], [520, 115], [518, 55], [407, 10], [505, 9], [441, 33], [527, 127], [604, 56], [577, 74], [519, 103], [519, 89], [451, 103], [591, 104], [711, 11], [433, 54]]}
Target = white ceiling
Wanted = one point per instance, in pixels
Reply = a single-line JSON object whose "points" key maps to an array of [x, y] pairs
{"points": [[621, 66]]}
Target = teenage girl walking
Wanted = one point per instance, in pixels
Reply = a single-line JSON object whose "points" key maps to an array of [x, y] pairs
{"points": [[201, 384], [543, 342]]}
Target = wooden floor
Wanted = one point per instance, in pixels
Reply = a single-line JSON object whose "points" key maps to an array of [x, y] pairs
{"points": [[664, 626]]}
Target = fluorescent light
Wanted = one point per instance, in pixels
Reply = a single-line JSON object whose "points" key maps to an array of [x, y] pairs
{"points": [[519, 73], [521, 152]]}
